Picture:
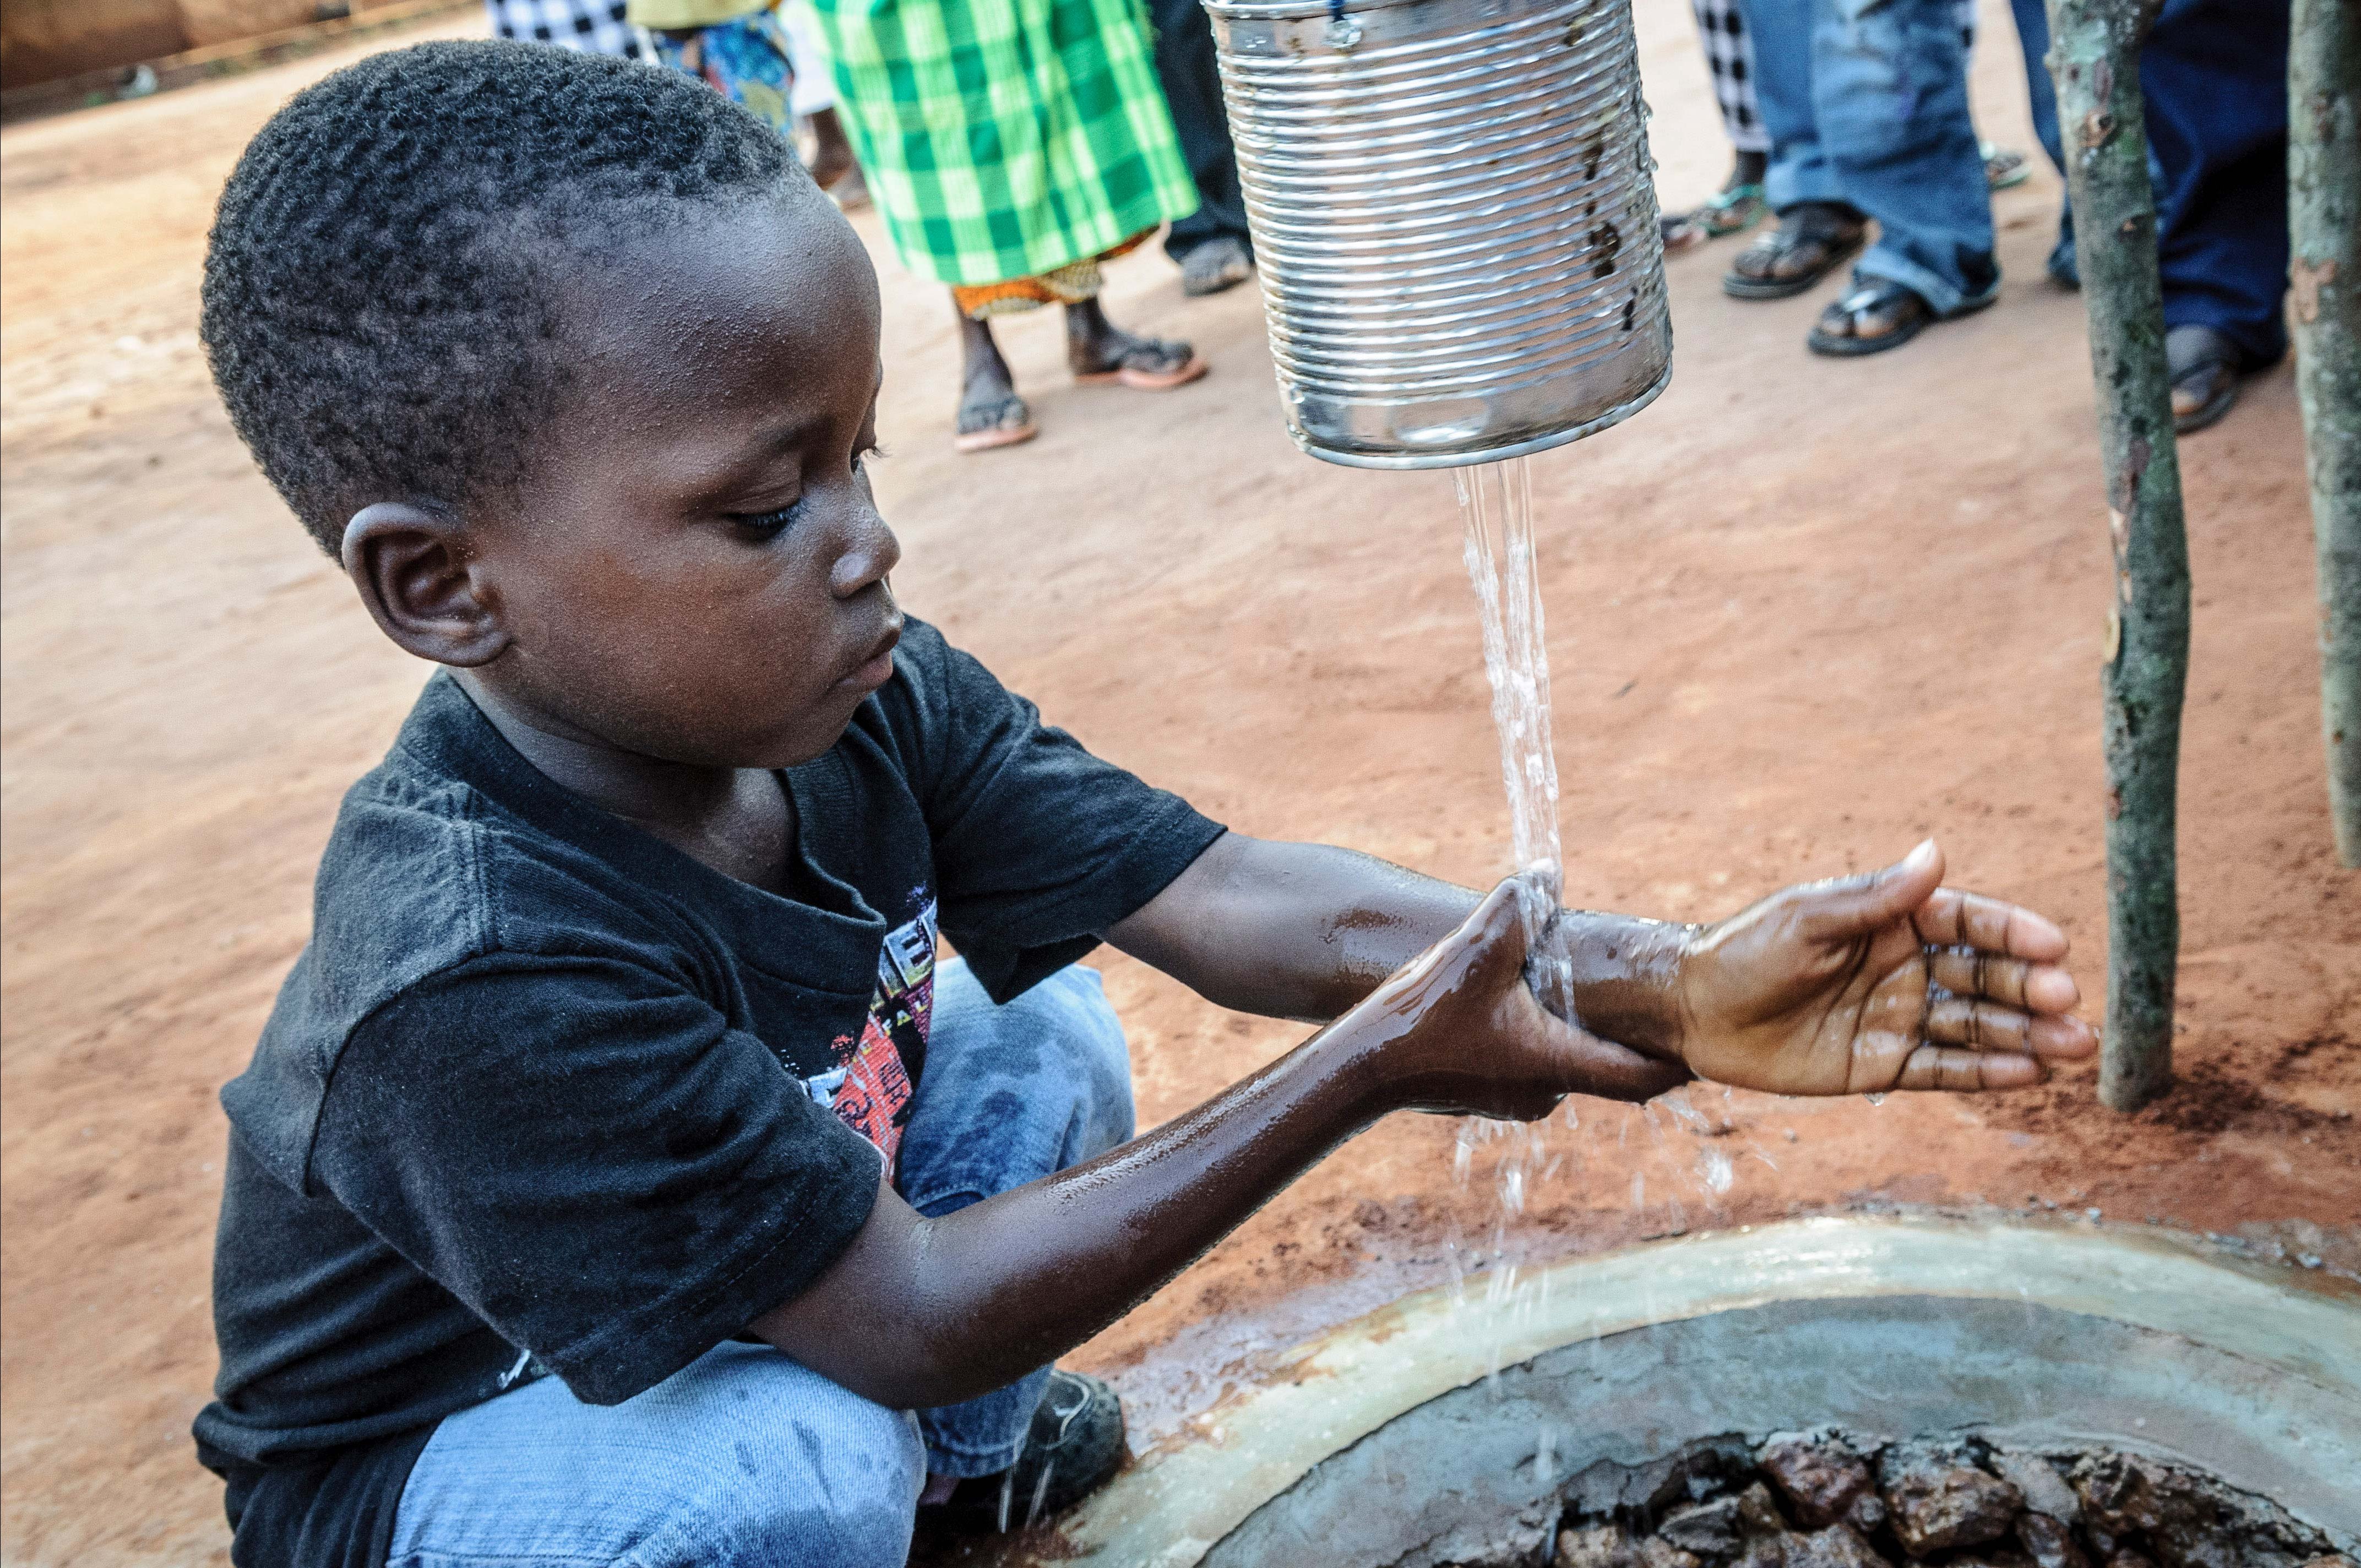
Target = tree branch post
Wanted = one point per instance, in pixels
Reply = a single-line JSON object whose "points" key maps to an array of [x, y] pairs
{"points": [[2324, 277], [2094, 58]]}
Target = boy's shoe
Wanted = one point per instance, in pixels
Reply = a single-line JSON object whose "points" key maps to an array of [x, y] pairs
{"points": [[1074, 1448]]}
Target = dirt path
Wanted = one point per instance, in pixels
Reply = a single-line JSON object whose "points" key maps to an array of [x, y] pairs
{"points": [[1802, 612]]}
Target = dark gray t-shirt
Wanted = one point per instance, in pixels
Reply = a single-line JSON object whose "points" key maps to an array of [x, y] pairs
{"points": [[544, 1095]]}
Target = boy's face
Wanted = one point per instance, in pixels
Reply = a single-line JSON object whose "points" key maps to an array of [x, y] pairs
{"points": [[694, 569]]}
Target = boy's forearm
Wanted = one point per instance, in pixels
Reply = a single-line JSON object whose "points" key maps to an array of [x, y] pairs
{"points": [[921, 1312], [1289, 930], [1306, 930]]}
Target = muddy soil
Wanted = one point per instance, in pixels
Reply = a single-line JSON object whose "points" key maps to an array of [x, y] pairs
{"points": [[1801, 613]]}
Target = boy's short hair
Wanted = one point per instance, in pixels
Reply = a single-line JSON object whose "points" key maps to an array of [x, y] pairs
{"points": [[378, 308]]}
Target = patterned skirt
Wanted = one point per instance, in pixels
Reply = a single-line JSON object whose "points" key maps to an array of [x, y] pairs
{"points": [[1006, 140], [745, 60]]}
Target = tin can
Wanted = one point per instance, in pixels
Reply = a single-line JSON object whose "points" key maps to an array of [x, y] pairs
{"points": [[1454, 218]]}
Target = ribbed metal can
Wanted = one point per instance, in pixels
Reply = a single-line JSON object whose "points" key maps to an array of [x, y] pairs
{"points": [[1454, 220]]}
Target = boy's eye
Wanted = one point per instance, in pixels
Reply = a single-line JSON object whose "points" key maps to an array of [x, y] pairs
{"points": [[771, 524], [764, 524]]}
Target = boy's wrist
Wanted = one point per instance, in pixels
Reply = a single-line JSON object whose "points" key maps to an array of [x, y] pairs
{"points": [[1627, 978]]}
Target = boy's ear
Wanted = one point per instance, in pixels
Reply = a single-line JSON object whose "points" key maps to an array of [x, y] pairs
{"points": [[417, 572]]}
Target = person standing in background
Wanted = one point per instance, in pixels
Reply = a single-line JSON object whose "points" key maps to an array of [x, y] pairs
{"points": [[592, 27], [2214, 76], [814, 101], [1013, 150], [738, 48], [1212, 245], [1866, 104], [1739, 204], [751, 53]]}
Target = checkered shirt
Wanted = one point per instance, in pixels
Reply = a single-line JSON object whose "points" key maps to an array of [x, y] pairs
{"points": [[594, 27], [1006, 138]]}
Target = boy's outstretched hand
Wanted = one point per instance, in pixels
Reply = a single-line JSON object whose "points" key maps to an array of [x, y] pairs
{"points": [[1885, 980]]}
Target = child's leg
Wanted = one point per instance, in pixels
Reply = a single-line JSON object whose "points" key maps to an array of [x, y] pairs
{"points": [[1008, 1095], [744, 1459]]}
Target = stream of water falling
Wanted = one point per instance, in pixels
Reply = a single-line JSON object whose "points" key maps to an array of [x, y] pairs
{"points": [[1496, 506]]}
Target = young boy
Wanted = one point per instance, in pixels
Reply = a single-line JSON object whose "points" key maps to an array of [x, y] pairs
{"points": [[621, 1178]]}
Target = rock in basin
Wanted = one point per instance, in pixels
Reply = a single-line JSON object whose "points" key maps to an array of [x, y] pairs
{"points": [[1827, 1501]]}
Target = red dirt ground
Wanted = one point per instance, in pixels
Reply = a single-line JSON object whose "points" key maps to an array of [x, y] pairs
{"points": [[1802, 613]]}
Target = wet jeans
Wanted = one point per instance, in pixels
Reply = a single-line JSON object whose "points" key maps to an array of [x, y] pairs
{"points": [[1866, 103], [746, 1459]]}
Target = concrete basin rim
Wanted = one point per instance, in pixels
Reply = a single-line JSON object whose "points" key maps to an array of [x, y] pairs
{"points": [[1339, 1387]]}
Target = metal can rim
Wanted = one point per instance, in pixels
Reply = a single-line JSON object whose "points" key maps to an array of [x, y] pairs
{"points": [[1399, 460]]}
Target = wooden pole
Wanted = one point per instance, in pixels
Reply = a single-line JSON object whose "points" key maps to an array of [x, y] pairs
{"points": [[2324, 275], [2095, 58]]}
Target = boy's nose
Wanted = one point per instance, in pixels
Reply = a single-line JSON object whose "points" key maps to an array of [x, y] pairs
{"points": [[873, 553]]}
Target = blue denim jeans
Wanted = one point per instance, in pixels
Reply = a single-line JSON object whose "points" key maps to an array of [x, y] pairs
{"points": [[2215, 75], [1866, 103], [745, 1458]]}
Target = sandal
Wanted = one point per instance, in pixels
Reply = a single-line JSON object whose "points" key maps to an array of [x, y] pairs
{"points": [[1137, 368], [2004, 168], [1220, 263], [2204, 368], [1811, 241], [1898, 315], [1723, 212], [1000, 421]]}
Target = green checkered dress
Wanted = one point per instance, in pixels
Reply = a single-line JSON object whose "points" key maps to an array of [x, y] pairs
{"points": [[1006, 138]]}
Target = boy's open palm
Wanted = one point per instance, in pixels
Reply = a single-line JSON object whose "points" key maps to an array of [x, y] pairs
{"points": [[1885, 980]]}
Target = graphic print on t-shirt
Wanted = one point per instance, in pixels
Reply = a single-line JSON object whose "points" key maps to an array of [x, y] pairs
{"points": [[870, 1087]]}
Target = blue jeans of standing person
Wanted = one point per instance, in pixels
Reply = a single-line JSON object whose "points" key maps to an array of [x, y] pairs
{"points": [[745, 1458], [2213, 73], [2213, 77], [1866, 104]]}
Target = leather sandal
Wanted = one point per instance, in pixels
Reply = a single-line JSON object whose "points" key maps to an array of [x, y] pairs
{"points": [[1896, 314], [2204, 366], [1813, 239]]}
